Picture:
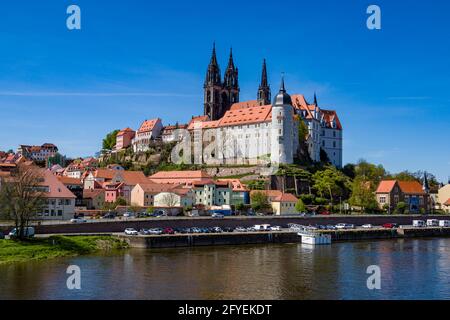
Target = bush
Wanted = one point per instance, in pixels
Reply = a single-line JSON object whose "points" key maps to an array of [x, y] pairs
{"points": [[307, 198], [300, 206], [321, 201], [400, 208]]}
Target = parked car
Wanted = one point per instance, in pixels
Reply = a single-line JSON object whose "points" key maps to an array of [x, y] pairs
{"points": [[217, 229], [144, 232], [390, 225], [109, 216], [367, 226], [128, 214], [217, 215], [28, 232], [227, 229], [419, 223], [131, 232], [155, 231], [341, 226], [262, 227], [330, 227], [326, 212], [196, 230], [444, 223], [432, 222], [2, 236], [168, 231], [275, 228], [78, 220], [240, 229]]}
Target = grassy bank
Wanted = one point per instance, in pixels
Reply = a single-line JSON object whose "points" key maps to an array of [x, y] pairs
{"points": [[55, 246]]}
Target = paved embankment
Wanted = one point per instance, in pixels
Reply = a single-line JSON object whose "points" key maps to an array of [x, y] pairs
{"points": [[210, 239], [286, 236], [101, 226]]}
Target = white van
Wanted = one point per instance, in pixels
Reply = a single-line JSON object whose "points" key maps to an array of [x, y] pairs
{"points": [[262, 227], [444, 223], [432, 223], [419, 223], [28, 232]]}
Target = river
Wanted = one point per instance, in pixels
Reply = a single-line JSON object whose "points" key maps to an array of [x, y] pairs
{"points": [[410, 269]]}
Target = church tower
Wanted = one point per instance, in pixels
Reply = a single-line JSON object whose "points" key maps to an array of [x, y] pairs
{"points": [[282, 135], [212, 89], [264, 88], [230, 92]]}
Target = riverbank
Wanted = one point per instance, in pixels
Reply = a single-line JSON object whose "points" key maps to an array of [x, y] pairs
{"points": [[56, 246]]}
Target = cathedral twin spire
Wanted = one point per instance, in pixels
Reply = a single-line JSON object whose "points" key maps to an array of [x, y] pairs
{"points": [[219, 96]]}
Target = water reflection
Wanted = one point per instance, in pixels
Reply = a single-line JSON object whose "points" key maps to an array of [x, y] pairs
{"points": [[410, 269]]}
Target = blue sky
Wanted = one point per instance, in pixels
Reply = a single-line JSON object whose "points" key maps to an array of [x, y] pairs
{"points": [[133, 60]]}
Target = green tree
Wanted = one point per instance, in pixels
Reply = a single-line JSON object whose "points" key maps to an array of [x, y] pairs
{"points": [[259, 201], [363, 194], [110, 140], [331, 183], [150, 210], [300, 206], [400, 208], [120, 202]]}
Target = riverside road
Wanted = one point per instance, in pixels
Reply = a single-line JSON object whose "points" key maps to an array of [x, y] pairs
{"points": [[118, 225]]}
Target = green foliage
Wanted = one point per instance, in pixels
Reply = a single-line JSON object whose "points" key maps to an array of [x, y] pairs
{"points": [[400, 208], [256, 185], [331, 183], [259, 201], [150, 210], [307, 198], [55, 246], [120, 202], [300, 206], [324, 156], [57, 159], [110, 140], [366, 180], [349, 170], [320, 201], [240, 206]]}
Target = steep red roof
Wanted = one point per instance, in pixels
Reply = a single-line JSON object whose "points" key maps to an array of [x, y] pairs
{"points": [[148, 125], [55, 188], [197, 174], [447, 203], [69, 181], [386, 186], [409, 187]]}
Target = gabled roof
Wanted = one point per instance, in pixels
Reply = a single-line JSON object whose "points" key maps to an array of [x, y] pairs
{"points": [[408, 187], [69, 181], [240, 116], [236, 184], [386, 186], [56, 189], [92, 193], [126, 130], [148, 125], [190, 174], [104, 173], [447, 203], [132, 177]]}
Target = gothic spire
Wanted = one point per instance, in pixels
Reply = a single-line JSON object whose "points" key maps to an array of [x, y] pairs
{"points": [[213, 73], [315, 99], [264, 75], [425, 186], [264, 89], [230, 60]]}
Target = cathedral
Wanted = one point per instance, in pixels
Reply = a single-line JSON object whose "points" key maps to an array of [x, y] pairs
{"points": [[252, 130]]}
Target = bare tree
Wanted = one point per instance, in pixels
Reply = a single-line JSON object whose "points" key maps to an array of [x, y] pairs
{"points": [[169, 200], [22, 196]]}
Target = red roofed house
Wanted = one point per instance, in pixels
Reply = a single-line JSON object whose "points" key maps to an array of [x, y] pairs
{"points": [[147, 132], [124, 138], [180, 177], [444, 197], [282, 203], [143, 194], [391, 192], [60, 201]]}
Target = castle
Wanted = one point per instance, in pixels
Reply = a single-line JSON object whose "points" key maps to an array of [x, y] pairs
{"points": [[253, 129], [248, 132]]}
